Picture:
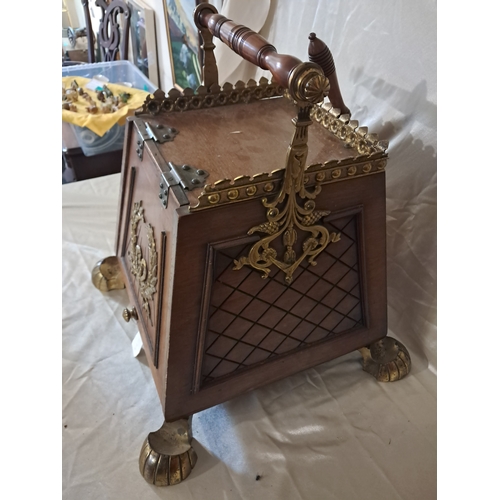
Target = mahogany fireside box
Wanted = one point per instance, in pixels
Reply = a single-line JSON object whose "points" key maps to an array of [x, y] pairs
{"points": [[251, 236]]}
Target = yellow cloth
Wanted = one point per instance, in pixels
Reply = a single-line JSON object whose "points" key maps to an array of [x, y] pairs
{"points": [[100, 123]]}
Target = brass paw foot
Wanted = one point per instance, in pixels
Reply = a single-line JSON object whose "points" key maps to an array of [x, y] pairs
{"points": [[107, 275], [167, 456], [387, 360]]}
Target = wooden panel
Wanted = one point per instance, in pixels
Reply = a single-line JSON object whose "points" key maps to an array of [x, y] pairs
{"points": [[250, 320], [140, 183], [195, 233]]}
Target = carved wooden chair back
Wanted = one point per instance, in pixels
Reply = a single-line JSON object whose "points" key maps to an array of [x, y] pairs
{"points": [[113, 38]]}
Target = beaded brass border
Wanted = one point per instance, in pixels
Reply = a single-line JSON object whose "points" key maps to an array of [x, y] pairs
{"points": [[244, 188]]}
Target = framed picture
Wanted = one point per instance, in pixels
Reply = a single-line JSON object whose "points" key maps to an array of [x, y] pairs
{"points": [[184, 43], [143, 39]]}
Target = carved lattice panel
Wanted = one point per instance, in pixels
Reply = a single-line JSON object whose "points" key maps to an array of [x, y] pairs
{"points": [[252, 320]]}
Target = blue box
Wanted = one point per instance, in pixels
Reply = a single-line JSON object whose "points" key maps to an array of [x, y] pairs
{"points": [[121, 72]]}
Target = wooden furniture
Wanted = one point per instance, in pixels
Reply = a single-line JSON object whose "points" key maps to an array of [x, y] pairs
{"points": [[87, 167], [112, 38], [251, 238]]}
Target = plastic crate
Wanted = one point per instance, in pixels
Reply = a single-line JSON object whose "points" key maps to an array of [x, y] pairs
{"points": [[122, 72]]}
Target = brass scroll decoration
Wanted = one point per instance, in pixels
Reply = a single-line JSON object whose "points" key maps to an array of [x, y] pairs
{"points": [[145, 273], [284, 221]]}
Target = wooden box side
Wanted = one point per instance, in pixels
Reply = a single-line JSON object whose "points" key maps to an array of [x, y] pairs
{"points": [[186, 393], [145, 246]]}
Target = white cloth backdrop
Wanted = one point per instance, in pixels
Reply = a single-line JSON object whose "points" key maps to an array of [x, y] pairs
{"points": [[331, 432]]}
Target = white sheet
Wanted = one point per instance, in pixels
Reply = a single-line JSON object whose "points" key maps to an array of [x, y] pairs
{"points": [[329, 432], [332, 432]]}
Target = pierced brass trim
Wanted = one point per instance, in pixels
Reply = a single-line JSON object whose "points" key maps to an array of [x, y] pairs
{"points": [[209, 97], [348, 130], [285, 221], [145, 273], [244, 188]]}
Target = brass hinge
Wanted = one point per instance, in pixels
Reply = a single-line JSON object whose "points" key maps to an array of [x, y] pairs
{"points": [[173, 177], [180, 178], [157, 132]]}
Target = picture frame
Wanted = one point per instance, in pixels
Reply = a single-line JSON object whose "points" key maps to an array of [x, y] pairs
{"points": [[143, 39], [184, 43]]}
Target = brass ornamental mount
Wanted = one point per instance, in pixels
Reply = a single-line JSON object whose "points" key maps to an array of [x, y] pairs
{"points": [[144, 272], [307, 85], [286, 215]]}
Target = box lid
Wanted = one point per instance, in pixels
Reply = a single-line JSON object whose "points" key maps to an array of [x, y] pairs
{"points": [[240, 135]]}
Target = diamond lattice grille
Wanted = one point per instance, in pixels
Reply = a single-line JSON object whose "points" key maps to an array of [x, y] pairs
{"points": [[253, 319]]}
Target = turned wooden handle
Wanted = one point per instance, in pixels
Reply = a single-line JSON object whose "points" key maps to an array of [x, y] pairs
{"points": [[288, 71], [321, 55]]}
